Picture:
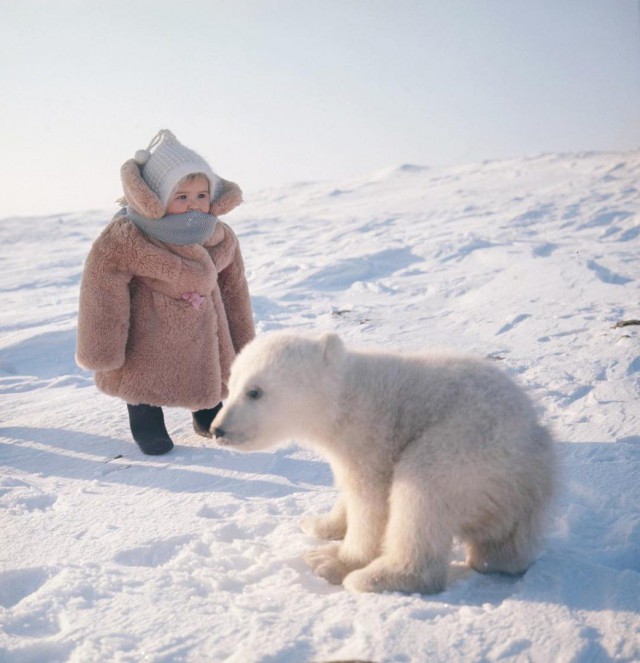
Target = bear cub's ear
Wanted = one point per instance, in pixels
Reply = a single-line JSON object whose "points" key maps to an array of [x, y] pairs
{"points": [[332, 348]]}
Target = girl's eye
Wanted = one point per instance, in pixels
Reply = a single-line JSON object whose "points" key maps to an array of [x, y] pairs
{"points": [[202, 195], [182, 196], [254, 394]]}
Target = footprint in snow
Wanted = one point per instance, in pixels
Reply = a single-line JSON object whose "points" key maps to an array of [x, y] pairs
{"points": [[39, 651], [40, 623], [154, 553], [218, 511], [17, 584], [230, 532], [23, 498]]}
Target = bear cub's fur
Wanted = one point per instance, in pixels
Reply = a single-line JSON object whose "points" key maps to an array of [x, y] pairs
{"points": [[423, 448]]}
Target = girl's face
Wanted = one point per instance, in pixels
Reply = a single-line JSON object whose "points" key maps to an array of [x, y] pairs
{"points": [[190, 195]]}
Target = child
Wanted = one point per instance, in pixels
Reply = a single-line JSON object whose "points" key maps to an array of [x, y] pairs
{"points": [[164, 303]]}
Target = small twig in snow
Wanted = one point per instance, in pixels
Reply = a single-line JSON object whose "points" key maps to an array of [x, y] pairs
{"points": [[625, 323]]}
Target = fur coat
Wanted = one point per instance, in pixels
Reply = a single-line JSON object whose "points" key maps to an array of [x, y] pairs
{"points": [[145, 342]]}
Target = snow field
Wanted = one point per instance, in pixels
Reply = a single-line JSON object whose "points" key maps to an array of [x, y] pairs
{"points": [[196, 556]]}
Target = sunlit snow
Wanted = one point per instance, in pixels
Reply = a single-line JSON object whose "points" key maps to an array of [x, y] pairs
{"points": [[109, 555]]}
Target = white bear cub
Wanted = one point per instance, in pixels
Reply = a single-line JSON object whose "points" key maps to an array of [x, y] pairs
{"points": [[423, 448]]}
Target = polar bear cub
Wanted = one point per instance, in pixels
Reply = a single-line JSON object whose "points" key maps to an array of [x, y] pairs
{"points": [[423, 448]]}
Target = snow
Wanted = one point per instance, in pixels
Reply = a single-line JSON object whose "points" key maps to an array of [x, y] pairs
{"points": [[109, 555]]}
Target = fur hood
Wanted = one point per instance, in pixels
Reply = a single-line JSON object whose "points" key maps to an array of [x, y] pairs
{"points": [[160, 323], [138, 194]]}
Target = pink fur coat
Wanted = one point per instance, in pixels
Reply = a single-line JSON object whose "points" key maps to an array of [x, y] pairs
{"points": [[161, 323]]}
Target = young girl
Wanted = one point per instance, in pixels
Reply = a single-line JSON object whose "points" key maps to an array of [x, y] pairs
{"points": [[164, 303]]}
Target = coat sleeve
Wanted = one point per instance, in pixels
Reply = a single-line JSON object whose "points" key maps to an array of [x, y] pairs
{"points": [[103, 315], [237, 301]]}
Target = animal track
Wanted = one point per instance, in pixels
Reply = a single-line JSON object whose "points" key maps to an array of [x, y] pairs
{"points": [[154, 553], [216, 512], [37, 624], [18, 497], [16, 585], [41, 651], [231, 532]]}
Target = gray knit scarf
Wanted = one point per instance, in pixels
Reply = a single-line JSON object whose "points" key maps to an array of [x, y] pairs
{"points": [[188, 228]]}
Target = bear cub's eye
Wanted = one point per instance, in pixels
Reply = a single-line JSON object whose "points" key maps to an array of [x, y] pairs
{"points": [[254, 394]]}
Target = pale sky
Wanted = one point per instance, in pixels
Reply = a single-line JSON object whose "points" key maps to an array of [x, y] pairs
{"points": [[282, 91]]}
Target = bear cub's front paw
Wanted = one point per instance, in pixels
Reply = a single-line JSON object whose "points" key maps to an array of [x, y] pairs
{"points": [[326, 563], [324, 527]]}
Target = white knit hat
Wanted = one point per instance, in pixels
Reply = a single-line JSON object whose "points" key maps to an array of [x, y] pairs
{"points": [[171, 161]]}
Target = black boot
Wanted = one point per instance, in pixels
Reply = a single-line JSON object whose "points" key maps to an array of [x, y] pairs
{"points": [[148, 429], [202, 420]]}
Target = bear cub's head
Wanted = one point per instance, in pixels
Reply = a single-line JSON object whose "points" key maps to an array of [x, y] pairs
{"points": [[282, 386]]}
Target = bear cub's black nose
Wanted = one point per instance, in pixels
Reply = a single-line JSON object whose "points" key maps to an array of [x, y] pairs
{"points": [[218, 432]]}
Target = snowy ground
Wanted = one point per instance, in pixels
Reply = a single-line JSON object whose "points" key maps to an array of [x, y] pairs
{"points": [[108, 555]]}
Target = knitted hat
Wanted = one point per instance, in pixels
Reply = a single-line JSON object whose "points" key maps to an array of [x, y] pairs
{"points": [[171, 161], [143, 197]]}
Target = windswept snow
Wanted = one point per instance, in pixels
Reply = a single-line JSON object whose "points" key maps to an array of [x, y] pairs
{"points": [[108, 555]]}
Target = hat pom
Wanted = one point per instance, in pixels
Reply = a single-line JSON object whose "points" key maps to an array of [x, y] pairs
{"points": [[142, 156]]}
